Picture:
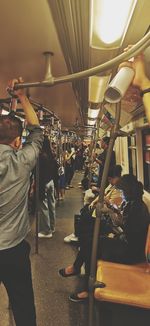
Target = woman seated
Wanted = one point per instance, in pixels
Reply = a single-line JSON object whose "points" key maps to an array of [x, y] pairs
{"points": [[113, 196], [126, 246]]}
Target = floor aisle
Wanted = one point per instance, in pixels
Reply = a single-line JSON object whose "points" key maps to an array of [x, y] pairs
{"points": [[52, 291]]}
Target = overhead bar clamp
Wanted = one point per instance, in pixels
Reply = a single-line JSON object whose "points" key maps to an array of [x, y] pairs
{"points": [[48, 72], [121, 133]]}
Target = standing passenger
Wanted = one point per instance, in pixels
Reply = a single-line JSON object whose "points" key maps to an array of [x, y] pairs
{"points": [[46, 191], [15, 167], [102, 157]]}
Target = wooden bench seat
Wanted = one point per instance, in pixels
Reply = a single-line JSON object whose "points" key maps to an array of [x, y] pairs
{"points": [[125, 284]]}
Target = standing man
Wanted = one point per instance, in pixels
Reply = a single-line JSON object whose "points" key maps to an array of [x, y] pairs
{"points": [[15, 167], [102, 157]]}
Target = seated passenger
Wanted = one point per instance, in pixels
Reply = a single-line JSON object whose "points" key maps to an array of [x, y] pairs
{"points": [[113, 196], [128, 245], [73, 237]]}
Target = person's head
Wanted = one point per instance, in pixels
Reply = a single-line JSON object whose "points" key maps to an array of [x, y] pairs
{"points": [[114, 174], [105, 142], [10, 131], [131, 187]]}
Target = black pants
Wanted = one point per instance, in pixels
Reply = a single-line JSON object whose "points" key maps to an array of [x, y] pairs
{"points": [[15, 274]]}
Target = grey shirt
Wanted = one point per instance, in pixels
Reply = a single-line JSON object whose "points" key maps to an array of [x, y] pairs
{"points": [[15, 169]]}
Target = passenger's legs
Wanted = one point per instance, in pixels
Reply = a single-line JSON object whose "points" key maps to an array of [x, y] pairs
{"points": [[78, 262], [16, 277], [44, 220], [51, 204]]}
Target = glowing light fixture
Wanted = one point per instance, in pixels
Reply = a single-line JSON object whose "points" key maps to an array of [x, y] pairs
{"points": [[93, 113], [110, 20], [97, 87], [4, 112], [91, 122]]}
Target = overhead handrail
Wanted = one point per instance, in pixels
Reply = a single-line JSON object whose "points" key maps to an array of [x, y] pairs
{"points": [[99, 207], [33, 102], [38, 105], [92, 146], [132, 52]]}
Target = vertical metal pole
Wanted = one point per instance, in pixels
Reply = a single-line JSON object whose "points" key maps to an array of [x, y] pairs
{"points": [[48, 72], [93, 141], [37, 207], [92, 278]]}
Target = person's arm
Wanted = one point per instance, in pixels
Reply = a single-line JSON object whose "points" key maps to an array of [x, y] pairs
{"points": [[98, 161], [140, 79], [30, 114], [146, 97], [94, 202], [30, 151]]}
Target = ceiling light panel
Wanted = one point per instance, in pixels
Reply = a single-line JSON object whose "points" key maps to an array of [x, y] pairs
{"points": [[110, 20]]}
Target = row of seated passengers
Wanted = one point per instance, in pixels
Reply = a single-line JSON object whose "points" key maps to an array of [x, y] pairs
{"points": [[123, 231]]}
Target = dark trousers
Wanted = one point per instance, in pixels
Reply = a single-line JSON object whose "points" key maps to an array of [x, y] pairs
{"points": [[15, 274]]}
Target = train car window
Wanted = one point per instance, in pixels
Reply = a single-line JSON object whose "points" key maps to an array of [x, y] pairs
{"points": [[146, 158], [132, 154]]}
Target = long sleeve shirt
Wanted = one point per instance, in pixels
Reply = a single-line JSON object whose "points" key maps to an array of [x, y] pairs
{"points": [[15, 169]]}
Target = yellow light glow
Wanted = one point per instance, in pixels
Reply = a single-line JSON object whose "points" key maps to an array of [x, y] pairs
{"points": [[110, 20], [97, 88], [91, 122], [93, 114]]}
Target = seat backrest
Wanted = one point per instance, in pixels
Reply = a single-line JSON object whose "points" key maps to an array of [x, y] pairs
{"points": [[147, 246]]}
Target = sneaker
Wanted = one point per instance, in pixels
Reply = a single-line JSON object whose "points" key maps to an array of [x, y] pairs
{"points": [[70, 237], [67, 188], [42, 235], [74, 238]]}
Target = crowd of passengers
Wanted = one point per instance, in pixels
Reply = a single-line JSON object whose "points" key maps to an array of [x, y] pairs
{"points": [[123, 227], [122, 234], [54, 179]]}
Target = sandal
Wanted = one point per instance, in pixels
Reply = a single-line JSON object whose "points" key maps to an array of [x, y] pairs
{"points": [[75, 298], [62, 273]]}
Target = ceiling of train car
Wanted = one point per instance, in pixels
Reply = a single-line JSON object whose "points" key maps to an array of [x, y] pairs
{"points": [[27, 29]]}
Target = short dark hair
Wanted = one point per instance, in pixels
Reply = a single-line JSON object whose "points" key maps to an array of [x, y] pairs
{"points": [[106, 140], [10, 128], [131, 187], [115, 171]]}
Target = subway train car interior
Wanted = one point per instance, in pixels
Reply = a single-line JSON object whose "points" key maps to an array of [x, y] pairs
{"points": [[75, 162]]}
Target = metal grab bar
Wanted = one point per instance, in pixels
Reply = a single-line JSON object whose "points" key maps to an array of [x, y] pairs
{"points": [[135, 50], [99, 206]]}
